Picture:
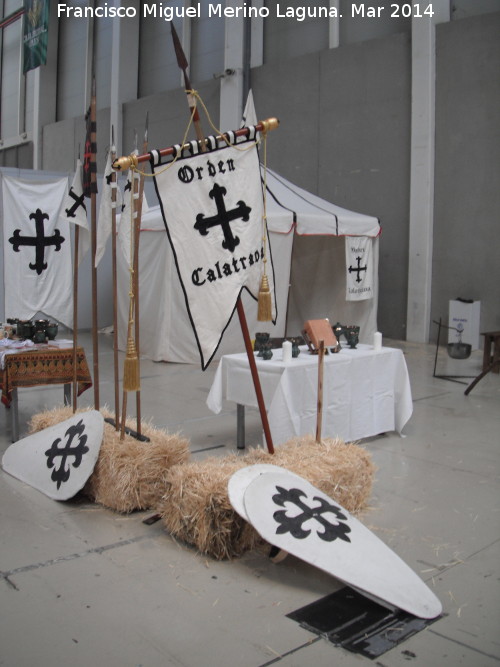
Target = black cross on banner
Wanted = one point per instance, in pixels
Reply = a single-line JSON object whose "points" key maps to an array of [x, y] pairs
{"points": [[40, 241], [223, 218], [127, 188], [79, 201], [357, 269]]}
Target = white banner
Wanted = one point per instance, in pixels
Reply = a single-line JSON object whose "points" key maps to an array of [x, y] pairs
{"points": [[359, 268], [104, 219], [37, 250], [213, 210]]}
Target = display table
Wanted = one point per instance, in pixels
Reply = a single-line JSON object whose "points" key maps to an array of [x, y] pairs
{"points": [[38, 366], [365, 392]]}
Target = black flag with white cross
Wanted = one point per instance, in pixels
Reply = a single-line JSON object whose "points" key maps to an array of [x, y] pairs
{"points": [[212, 207]]}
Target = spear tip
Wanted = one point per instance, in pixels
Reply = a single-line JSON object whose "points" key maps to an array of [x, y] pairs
{"points": [[179, 53]]}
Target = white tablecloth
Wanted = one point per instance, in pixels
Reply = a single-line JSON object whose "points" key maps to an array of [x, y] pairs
{"points": [[365, 392]]}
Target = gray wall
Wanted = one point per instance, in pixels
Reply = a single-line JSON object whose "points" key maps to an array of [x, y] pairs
{"points": [[345, 135], [168, 117], [466, 255]]}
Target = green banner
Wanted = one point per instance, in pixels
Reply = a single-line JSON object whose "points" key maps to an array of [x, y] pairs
{"points": [[35, 33]]}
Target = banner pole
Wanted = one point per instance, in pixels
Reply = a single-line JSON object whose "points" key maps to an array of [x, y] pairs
{"points": [[126, 161], [272, 124], [255, 375]]}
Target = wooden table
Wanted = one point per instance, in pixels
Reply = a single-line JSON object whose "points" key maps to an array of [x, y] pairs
{"points": [[39, 366], [491, 357]]}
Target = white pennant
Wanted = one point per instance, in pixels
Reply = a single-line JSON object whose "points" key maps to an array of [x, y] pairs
{"points": [[128, 212], [75, 211], [104, 225]]}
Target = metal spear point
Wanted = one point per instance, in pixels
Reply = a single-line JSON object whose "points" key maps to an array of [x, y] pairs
{"points": [[183, 64], [146, 130]]}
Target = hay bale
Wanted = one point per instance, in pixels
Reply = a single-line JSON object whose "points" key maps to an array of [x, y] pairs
{"points": [[50, 418], [129, 474], [196, 507]]}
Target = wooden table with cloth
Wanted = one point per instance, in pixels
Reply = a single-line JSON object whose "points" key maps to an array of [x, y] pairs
{"points": [[38, 366]]}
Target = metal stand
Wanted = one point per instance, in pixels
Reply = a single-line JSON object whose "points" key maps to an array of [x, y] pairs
{"points": [[490, 363], [451, 378]]}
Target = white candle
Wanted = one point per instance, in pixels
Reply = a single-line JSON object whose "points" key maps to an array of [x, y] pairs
{"points": [[287, 351], [377, 341]]}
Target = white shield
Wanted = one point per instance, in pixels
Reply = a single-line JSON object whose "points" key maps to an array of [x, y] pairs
{"points": [[297, 517], [58, 460], [238, 484]]}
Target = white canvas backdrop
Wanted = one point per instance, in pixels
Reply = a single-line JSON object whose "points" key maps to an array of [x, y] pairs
{"points": [[307, 236]]}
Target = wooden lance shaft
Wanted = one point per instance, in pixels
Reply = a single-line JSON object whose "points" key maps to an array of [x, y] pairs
{"points": [[93, 222], [321, 363], [75, 317], [137, 232], [265, 126], [255, 375], [115, 293]]}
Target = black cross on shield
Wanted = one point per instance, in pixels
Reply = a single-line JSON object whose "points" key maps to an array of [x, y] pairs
{"points": [[77, 451]]}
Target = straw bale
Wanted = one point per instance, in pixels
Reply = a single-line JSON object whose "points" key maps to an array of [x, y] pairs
{"points": [[196, 507], [50, 418], [129, 474]]}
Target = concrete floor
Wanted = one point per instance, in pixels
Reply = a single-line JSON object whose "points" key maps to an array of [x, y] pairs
{"points": [[84, 586]]}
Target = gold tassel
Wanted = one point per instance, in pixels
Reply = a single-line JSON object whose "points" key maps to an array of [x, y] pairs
{"points": [[131, 379], [264, 310]]}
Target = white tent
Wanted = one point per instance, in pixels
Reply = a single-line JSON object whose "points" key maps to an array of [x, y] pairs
{"points": [[307, 242]]}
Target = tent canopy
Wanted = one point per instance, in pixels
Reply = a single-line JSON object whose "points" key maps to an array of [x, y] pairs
{"points": [[309, 276], [289, 205]]}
